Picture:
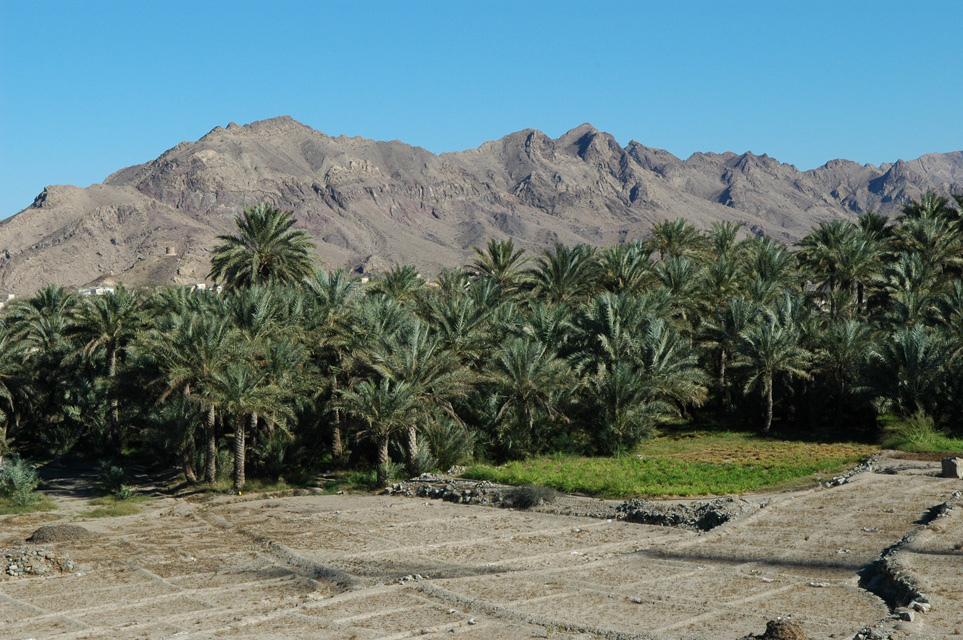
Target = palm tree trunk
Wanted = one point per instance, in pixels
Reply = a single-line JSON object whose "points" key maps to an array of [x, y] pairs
{"points": [[188, 467], [768, 424], [114, 402], [239, 451], [412, 451], [722, 379], [337, 448], [383, 461], [211, 466]]}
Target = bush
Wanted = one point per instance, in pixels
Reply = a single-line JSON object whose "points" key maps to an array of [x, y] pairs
{"points": [[451, 443], [19, 481], [528, 497], [919, 433], [114, 481]]}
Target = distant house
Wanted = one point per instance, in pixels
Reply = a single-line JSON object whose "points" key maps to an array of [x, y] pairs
{"points": [[95, 291]]}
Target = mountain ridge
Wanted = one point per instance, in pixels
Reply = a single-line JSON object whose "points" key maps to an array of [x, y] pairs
{"points": [[371, 203]]}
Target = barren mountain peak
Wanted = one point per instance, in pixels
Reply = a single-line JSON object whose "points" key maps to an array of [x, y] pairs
{"points": [[370, 203]]}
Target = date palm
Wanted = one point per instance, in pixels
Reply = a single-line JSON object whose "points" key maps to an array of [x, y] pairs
{"points": [[677, 239], [386, 408], [529, 381], [766, 350], [265, 250], [720, 332], [566, 274], [910, 368], [109, 323], [432, 374], [501, 263]]}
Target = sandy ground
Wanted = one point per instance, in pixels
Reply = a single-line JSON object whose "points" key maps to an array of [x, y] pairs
{"points": [[393, 567]]}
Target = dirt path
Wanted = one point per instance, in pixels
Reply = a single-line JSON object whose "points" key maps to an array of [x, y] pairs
{"points": [[394, 567]]}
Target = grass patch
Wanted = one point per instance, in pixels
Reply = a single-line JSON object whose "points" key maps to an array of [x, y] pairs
{"points": [[111, 506], [685, 464], [917, 434], [42, 503]]}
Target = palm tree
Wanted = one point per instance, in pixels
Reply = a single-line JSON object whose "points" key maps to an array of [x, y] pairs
{"points": [[528, 382], [766, 350], [677, 239], [567, 274], [624, 267], [241, 392], [190, 351], [385, 407], [723, 239], [10, 361], [109, 323], [41, 326], [265, 251], [432, 374], [402, 283], [840, 357], [331, 299], [501, 263], [909, 368], [720, 332]]}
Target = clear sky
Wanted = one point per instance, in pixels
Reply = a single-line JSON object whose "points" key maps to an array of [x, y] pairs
{"points": [[89, 87]]}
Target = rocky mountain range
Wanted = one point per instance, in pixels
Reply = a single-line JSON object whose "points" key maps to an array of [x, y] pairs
{"points": [[371, 204]]}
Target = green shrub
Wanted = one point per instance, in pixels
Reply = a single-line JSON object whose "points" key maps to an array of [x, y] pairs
{"points": [[114, 481], [919, 433], [19, 481], [451, 443]]}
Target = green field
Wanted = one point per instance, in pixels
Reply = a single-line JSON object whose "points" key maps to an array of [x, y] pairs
{"points": [[689, 464]]}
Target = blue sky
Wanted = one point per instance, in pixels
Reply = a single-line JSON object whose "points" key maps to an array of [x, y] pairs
{"points": [[89, 87]]}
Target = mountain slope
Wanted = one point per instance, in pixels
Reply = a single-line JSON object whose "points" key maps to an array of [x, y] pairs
{"points": [[370, 203]]}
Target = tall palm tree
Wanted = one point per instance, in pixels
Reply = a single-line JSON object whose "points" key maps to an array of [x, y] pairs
{"points": [[109, 323], [720, 332], [240, 392], [434, 375], [529, 381], [331, 299], [501, 263], [566, 274], [264, 251], [677, 239], [386, 408], [909, 368], [840, 356], [766, 350], [190, 352]]}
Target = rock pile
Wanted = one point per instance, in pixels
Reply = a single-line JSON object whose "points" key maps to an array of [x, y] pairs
{"points": [[701, 516], [451, 490], [870, 464], [22, 562]]}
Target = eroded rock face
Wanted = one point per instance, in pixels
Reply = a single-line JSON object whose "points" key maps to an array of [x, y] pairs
{"points": [[389, 202]]}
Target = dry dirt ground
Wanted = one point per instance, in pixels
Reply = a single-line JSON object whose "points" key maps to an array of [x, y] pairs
{"points": [[366, 567]]}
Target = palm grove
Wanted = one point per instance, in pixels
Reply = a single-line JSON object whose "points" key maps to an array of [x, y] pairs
{"points": [[292, 369]]}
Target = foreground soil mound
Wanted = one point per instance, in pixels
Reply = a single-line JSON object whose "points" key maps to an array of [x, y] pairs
{"points": [[780, 630], [59, 533]]}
